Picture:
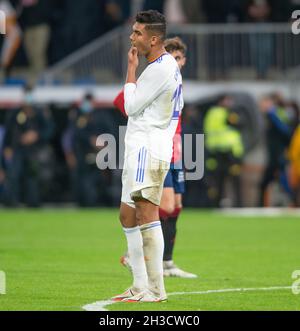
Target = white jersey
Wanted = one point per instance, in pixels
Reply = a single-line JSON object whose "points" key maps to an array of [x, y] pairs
{"points": [[153, 106]]}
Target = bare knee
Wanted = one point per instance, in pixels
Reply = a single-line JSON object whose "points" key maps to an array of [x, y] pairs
{"points": [[146, 212], [178, 201], [168, 208]]}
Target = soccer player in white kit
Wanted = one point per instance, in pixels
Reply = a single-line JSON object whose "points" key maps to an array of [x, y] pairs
{"points": [[153, 104]]}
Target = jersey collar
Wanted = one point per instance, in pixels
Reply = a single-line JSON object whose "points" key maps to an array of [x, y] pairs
{"points": [[166, 53]]}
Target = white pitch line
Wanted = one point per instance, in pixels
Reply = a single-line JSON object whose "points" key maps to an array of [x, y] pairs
{"points": [[100, 305], [274, 288], [251, 212]]}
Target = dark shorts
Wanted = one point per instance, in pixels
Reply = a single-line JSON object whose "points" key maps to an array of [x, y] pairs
{"points": [[175, 179]]}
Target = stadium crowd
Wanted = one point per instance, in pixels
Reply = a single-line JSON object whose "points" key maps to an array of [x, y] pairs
{"points": [[60, 27], [49, 154]]}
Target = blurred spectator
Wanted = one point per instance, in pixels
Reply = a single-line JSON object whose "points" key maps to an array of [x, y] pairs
{"points": [[55, 28], [279, 131], [177, 11], [294, 169], [27, 131], [155, 5], [193, 11], [282, 9], [191, 125], [35, 16], [225, 151], [220, 48], [79, 23], [67, 143], [261, 44], [259, 11], [58, 44], [293, 5], [90, 185], [174, 12], [293, 113], [2, 173], [12, 39], [224, 11], [117, 13]]}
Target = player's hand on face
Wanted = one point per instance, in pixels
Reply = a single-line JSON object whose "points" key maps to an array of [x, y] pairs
{"points": [[133, 57]]}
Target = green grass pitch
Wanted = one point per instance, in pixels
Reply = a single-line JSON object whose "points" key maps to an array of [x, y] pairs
{"points": [[57, 259]]}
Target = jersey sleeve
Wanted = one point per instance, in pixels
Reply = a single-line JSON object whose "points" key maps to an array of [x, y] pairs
{"points": [[177, 144], [140, 95], [119, 103]]}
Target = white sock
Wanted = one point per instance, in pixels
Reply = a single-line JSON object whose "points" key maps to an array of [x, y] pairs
{"points": [[154, 250], [136, 258]]}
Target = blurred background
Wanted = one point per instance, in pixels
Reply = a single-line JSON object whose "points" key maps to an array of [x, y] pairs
{"points": [[63, 62]]}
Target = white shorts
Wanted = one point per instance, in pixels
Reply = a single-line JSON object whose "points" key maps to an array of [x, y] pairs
{"points": [[143, 177]]}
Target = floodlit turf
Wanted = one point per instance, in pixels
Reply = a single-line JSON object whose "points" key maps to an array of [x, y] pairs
{"points": [[64, 259]]}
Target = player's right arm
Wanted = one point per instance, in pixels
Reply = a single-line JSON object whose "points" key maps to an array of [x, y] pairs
{"points": [[138, 96]]}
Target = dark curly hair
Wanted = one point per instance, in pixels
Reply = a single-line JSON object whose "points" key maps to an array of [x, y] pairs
{"points": [[154, 21]]}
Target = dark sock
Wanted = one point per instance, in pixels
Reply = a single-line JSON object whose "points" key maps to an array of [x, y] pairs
{"points": [[169, 231]]}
